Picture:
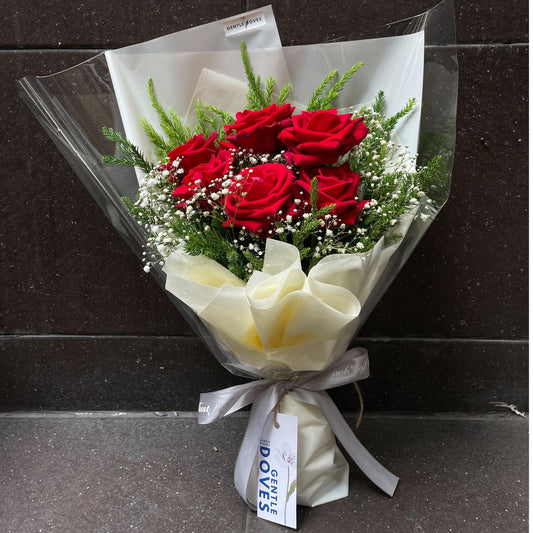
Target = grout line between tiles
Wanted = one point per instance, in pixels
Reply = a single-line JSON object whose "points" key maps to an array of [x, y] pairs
{"points": [[429, 340], [246, 521], [96, 50], [193, 415]]}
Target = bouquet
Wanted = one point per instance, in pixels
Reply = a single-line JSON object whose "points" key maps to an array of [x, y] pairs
{"points": [[275, 211]]}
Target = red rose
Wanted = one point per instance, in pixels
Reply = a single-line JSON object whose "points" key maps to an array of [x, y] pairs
{"points": [[206, 176], [259, 130], [257, 196], [336, 185], [321, 137], [195, 151]]}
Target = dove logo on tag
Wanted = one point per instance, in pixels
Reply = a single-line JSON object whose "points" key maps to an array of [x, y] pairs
{"points": [[277, 464]]}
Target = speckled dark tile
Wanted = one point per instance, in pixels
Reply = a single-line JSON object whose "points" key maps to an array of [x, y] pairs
{"points": [[492, 22], [94, 24], [112, 474], [107, 373], [486, 22], [440, 375], [469, 275], [449, 480], [68, 269], [147, 473], [109, 25], [169, 373]]}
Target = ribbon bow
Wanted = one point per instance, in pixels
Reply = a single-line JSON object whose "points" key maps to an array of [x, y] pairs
{"points": [[266, 393]]}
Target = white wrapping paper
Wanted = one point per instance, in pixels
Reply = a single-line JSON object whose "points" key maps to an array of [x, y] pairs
{"points": [[323, 471], [392, 64], [281, 320]]}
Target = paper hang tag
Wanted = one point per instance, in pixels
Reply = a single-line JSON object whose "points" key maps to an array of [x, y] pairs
{"points": [[277, 460], [245, 22]]}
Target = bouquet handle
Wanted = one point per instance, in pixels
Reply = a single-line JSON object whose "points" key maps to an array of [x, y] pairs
{"points": [[266, 393]]}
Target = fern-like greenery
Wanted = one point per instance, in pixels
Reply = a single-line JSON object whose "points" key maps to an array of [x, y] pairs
{"points": [[259, 97], [324, 100], [131, 155], [390, 184], [210, 119], [176, 133]]}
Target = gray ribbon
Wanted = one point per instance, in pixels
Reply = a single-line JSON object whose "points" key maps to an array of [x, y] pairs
{"points": [[264, 394]]}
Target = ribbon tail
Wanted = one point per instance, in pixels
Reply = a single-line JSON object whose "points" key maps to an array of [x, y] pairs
{"points": [[217, 404], [376, 472], [261, 408]]}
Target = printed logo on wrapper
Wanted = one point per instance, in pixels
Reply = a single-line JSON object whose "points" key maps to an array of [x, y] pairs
{"points": [[244, 23], [277, 460]]}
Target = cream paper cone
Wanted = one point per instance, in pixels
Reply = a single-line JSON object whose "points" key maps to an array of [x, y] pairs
{"points": [[323, 472], [281, 319]]}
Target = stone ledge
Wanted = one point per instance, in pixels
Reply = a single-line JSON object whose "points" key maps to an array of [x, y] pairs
{"points": [[143, 472]]}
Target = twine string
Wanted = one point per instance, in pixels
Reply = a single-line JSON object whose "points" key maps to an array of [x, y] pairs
{"points": [[361, 405], [277, 409]]}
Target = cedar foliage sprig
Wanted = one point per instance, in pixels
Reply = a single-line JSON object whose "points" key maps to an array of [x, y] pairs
{"points": [[131, 155], [389, 182], [313, 220], [210, 119], [213, 243], [259, 98], [170, 123], [319, 100], [305, 233]]}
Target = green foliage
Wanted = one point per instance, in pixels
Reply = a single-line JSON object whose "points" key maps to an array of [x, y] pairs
{"points": [[198, 236], [254, 260], [304, 238], [224, 119], [390, 185], [381, 128], [259, 98], [212, 119], [284, 93], [211, 241], [160, 145], [131, 155], [170, 123], [319, 100]]}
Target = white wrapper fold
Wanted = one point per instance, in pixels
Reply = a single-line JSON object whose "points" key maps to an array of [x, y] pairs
{"points": [[323, 471], [284, 321], [281, 320]]}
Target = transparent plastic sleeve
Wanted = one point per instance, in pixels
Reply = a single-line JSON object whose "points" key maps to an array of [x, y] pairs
{"points": [[74, 105]]}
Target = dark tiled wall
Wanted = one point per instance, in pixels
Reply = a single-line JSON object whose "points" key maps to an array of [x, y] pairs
{"points": [[84, 328]]}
